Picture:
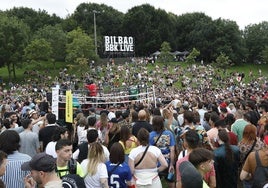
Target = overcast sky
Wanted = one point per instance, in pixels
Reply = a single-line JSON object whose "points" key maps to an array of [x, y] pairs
{"points": [[244, 12]]}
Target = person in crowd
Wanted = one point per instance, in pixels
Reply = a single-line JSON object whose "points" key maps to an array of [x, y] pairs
{"points": [[64, 152], [82, 151], [252, 110], [239, 125], [92, 113], [37, 120], [191, 141], [141, 123], [59, 133], [188, 117], [29, 142], [127, 140], [45, 134], [95, 168], [3, 165], [113, 134], [180, 117], [226, 159], [82, 126], [10, 144], [201, 111], [263, 119], [190, 177], [42, 167], [203, 161], [249, 143], [9, 125], [232, 108], [165, 141], [92, 89], [103, 125], [229, 120], [118, 171], [134, 118], [205, 123], [167, 112], [213, 132], [254, 159], [221, 124], [143, 162]]}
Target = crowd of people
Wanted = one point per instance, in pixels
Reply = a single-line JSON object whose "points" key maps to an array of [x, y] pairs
{"points": [[214, 128]]}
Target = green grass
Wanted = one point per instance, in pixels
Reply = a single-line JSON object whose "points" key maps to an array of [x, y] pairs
{"points": [[41, 67], [49, 69]]}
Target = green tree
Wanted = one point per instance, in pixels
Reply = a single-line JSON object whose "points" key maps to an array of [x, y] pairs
{"points": [[191, 58], [165, 55], [149, 27], [195, 30], [34, 19], [57, 39], [79, 45], [108, 21], [38, 50], [13, 40], [256, 39], [228, 40], [265, 54], [223, 61]]}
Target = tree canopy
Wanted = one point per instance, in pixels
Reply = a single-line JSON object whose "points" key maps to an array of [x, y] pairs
{"points": [[72, 38]]}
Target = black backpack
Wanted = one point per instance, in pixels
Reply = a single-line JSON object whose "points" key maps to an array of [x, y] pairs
{"points": [[71, 180], [72, 166], [260, 177]]}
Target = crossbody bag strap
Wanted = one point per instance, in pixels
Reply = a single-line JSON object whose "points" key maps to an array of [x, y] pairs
{"points": [[158, 138], [250, 149], [258, 161], [142, 156]]}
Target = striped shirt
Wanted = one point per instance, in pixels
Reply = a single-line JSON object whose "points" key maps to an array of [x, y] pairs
{"points": [[13, 177]]}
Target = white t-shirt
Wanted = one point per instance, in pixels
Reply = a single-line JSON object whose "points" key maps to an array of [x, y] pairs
{"points": [[94, 181], [140, 149], [50, 149], [81, 134]]}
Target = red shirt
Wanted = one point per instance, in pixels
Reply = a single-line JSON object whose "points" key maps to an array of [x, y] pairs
{"points": [[92, 89]]}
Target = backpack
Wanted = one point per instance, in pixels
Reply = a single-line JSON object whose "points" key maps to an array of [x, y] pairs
{"points": [[260, 178], [72, 166], [71, 180]]}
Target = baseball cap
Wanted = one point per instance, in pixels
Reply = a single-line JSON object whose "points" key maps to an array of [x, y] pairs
{"points": [[190, 177], [40, 162]]}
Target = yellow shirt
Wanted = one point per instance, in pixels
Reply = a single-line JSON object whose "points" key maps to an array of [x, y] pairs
{"points": [[133, 144], [62, 171]]}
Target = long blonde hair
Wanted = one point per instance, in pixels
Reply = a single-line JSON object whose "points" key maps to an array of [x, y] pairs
{"points": [[95, 156]]}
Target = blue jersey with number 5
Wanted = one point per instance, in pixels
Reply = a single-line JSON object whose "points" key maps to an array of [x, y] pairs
{"points": [[119, 176]]}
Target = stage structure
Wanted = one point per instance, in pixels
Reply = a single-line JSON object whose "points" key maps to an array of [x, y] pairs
{"points": [[116, 97]]}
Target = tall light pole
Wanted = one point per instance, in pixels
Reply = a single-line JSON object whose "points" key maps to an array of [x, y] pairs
{"points": [[95, 30]]}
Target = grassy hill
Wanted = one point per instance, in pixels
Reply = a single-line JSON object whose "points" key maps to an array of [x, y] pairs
{"points": [[51, 70]]}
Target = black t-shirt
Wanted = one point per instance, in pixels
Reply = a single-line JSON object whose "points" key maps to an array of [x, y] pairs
{"points": [[45, 135], [141, 124], [113, 137]]}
